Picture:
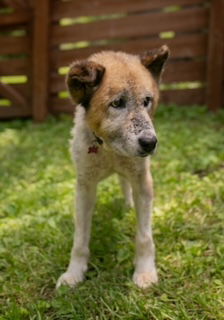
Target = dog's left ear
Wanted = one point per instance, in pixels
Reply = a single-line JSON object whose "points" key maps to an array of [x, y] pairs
{"points": [[83, 79], [154, 60]]}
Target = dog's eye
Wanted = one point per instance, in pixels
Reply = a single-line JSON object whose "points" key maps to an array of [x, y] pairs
{"points": [[118, 104], [147, 101]]}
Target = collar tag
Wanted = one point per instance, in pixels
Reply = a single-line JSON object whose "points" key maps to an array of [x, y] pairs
{"points": [[93, 149]]}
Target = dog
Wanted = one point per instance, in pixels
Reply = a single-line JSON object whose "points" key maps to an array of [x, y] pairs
{"points": [[116, 96]]}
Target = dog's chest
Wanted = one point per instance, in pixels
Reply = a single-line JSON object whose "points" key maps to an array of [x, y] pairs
{"points": [[95, 161]]}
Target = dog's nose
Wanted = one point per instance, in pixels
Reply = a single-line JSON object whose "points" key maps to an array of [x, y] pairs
{"points": [[147, 144]]}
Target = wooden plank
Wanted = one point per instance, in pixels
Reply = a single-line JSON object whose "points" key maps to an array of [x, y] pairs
{"points": [[22, 88], [14, 112], [184, 71], [215, 62], [58, 105], [9, 92], [19, 17], [133, 26], [178, 71], [17, 4], [40, 61], [57, 83], [72, 9], [185, 97], [13, 67], [14, 45], [183, 46], [3, 4]]}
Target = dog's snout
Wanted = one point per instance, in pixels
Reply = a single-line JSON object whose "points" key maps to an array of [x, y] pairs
{"points": [[148, 144]]}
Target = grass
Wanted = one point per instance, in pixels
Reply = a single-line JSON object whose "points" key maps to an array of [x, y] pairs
{"points": [[36, 206]]}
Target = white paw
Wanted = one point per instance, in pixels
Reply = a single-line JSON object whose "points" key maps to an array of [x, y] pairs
{"points": [[145, 279], [70, 279]]}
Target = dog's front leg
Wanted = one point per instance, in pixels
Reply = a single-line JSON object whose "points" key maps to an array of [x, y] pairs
{"points": [[85, 201], [127, 191], [145, 271]]}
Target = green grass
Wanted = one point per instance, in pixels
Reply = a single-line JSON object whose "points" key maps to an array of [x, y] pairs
{"points": [[36, 205]]}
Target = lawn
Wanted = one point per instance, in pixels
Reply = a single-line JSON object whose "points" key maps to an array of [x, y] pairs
{"points": [[36, 207]]}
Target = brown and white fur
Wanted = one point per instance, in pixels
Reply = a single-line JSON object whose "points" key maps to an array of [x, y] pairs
{"points": [[116, 95]]}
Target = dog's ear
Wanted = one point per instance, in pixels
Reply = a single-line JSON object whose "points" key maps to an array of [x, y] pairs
{"points": [[83, 79], [154, 60]]}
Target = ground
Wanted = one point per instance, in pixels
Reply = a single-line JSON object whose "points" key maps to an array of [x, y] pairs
{"points": [[36, 207]]}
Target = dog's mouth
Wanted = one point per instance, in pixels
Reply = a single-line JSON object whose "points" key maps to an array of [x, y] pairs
{"points": [[143, 154]]}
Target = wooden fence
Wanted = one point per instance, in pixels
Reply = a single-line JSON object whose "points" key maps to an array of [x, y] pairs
{"points": [[40, 38]]}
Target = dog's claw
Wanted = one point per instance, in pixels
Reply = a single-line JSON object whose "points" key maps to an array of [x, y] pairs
{"points": [[145, 279]]}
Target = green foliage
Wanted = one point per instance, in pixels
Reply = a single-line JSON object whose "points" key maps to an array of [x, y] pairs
{"points": [[36, 206]]}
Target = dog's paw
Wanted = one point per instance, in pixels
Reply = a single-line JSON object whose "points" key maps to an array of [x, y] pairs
{"points": [[145, 279], [70, 279]]}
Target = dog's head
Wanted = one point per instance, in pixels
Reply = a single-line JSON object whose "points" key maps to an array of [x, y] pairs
{"points": [[119, 93]]}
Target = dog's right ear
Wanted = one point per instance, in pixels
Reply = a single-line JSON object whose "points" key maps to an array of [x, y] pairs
{"points": [[154, 60], [83, 79]]}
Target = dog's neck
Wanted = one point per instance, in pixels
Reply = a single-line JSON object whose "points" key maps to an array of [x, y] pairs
{"points": [[92, 141]]}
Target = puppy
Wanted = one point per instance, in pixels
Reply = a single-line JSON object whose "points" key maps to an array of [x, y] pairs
{"points": [[116, 95]]}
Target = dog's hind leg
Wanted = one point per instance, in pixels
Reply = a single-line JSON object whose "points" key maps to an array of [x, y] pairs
{"points": [[127, 191], [145, 271], [85, 201]]}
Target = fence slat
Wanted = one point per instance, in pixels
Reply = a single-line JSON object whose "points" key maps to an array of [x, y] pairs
{"points": [[13, 67], [215, 64], [12, 94], [19, 17], [40, 57], [183, 46], [144, 25], [185, 97], [17, 3], [14, 45], [185, 71], [58, 105], [14, 112], [74, 9], [22, 88]]}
